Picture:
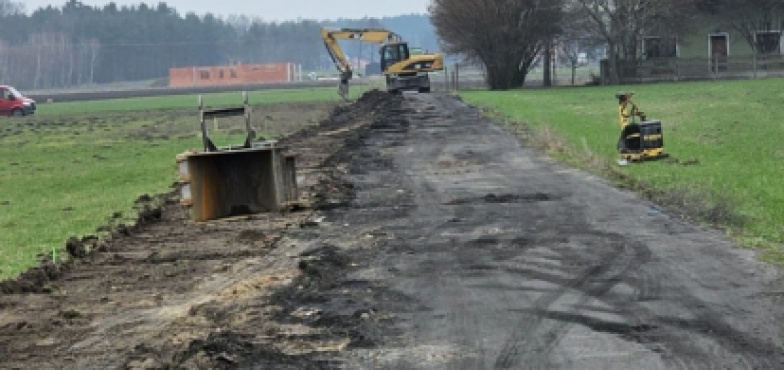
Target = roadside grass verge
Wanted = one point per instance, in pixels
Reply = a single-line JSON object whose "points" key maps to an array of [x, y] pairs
{"points": [[77, 167], [723, 138]]}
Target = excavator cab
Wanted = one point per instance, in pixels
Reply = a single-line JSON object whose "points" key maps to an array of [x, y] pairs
{"points": [[393, 53], [404, 71]]}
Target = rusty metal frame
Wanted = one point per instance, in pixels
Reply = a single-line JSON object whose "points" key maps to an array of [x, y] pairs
{"points": [[251, 178]]}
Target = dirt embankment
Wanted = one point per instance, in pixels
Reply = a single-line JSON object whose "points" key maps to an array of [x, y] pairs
{"points": [[168, 293]]}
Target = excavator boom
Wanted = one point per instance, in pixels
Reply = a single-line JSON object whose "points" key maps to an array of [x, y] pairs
{"points": [[331, 37]]}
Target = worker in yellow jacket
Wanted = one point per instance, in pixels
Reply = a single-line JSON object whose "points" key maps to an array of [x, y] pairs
{"points": [[627, 111]]}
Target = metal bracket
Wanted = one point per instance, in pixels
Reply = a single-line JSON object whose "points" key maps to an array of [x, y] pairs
{"points": [[208, 114]]}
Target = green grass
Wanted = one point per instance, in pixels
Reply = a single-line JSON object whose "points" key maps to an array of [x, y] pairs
{"points": [[191, 101], [65, 179], [724, 138], [66, 171]]}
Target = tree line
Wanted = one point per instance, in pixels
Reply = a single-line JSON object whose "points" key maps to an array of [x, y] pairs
{"points": [[77, 44]]}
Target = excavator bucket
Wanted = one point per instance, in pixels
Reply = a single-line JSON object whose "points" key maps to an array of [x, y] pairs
{"points": [[343, 89], [345, 77], [251, 178], [223, 184]]}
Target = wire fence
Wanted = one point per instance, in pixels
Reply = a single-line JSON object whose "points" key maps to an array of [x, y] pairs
{"points": [[463, 76], [685, 69]]}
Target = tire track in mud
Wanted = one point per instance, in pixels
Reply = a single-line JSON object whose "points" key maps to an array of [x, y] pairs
{"points": [[745, 351], [536, 335], [544, 326], [626, 259]]}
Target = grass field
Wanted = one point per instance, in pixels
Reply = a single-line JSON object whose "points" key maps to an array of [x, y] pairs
{"points": [[73, 166], [191, 101], [724, 139]]}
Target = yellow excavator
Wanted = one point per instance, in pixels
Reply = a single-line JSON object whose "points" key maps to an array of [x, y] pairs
{"points": [[402, 69]]}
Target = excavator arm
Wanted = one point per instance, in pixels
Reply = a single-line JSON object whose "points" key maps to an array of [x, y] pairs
{"points": [[331, 37]]}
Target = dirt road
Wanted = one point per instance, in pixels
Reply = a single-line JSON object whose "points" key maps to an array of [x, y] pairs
{"points": [[437, 241]]}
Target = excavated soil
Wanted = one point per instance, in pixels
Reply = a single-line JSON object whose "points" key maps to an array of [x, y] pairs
{"points": [[169, 293], [434, 240]]}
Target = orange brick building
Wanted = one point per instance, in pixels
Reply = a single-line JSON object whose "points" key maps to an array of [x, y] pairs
{"points": [[232, 75]]}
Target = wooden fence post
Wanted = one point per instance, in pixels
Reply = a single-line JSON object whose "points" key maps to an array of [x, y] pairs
{"points": [[446, 79], [457, 77]]}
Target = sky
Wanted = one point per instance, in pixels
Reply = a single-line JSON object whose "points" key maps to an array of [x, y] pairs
{"points": [[270, 10]]}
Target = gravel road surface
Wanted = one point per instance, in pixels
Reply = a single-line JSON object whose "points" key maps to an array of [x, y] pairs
{"points": [[492, 256]]}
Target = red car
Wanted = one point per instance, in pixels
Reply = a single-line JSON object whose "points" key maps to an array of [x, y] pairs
{"points": [[13, 103]]}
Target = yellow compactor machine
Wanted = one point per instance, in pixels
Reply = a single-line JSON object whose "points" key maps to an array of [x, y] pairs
{"points": [[639, 140]]}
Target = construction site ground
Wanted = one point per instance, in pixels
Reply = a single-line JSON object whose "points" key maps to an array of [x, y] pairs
{"points": [[434, 239]]}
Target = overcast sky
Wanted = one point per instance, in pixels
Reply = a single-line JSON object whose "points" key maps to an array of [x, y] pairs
{"points": [[271, 10]]}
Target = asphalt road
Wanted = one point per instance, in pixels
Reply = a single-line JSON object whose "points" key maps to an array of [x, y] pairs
{"points": [[478, 252]]}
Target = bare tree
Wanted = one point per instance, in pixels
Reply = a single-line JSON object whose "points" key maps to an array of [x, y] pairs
{"points": [[622, 23], [94, 46], [569, 50], [576, 37], [505, 35]]}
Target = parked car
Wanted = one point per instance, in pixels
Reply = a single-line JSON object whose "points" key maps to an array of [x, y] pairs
{"points": [[13, 103]]}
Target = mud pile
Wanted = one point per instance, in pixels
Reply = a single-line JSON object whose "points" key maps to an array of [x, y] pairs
{"points": [[330, 315]]}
